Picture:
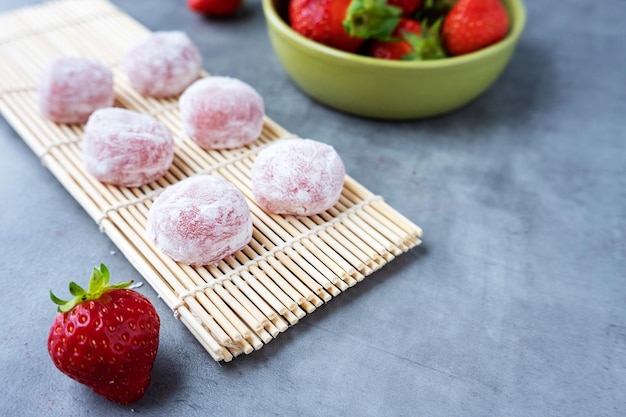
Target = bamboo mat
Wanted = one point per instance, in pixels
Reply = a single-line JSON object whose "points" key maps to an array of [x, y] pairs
{"points": [[291, 266]]}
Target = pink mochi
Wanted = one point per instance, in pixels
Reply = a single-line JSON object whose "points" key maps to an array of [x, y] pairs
{"points": [[299, 177], [200, 220], [72, 88], [162, 65], [126, 148], [222, 112]]}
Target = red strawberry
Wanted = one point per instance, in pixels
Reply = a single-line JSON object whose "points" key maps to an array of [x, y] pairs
{"points": [[474, 24], [410, 40], [215, 7], [343, 24], [408, 6], [106, 338], [400, 46], [322, 21]]}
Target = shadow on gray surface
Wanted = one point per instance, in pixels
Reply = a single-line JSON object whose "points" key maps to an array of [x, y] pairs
{"points": [[356, 294]]}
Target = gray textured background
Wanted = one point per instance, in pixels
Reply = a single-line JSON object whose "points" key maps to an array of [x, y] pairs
{"points": [[514, 306]]}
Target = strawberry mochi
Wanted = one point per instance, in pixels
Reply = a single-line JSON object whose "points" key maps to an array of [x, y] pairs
{"points": [[299, 177], [162, 65], [72, 88], [222, 112], [200, 220], [125, 148]]}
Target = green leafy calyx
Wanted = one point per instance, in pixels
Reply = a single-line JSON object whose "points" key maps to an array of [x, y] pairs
{"points": [[427, 45], [371, 19], [98, 284]]}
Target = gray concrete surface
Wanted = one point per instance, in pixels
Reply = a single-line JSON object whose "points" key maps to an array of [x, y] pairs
{"points": [[514, 306]]}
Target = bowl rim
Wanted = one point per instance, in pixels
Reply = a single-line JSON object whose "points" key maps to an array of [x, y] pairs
{"points": [[321, 49]]}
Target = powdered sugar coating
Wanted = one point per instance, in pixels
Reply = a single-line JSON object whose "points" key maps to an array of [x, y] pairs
{"points": [[71, 88], [126, 148], [162, 65], [200, 220], [300, 177], [222, 112]]}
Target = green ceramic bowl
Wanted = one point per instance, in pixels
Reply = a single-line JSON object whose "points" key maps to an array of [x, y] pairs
{"points": [[386, 89]]}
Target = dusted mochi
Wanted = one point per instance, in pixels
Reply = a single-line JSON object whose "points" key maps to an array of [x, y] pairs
{"points": [[162, 65], [222, 112], [300, 177], [125, 148], [200, 220], [72, 88]]}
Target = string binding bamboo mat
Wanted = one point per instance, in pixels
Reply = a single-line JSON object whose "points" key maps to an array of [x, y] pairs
{"points": [[290, 267]]}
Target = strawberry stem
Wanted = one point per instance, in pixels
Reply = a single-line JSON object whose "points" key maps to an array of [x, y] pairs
{"points": [[98, 284]]}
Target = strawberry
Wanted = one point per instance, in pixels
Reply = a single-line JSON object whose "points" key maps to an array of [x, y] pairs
{"points": [[343, 24], [411, 40], [106, 338], [215, 7], [322, 21], [474, 24], [399, 46], [408, 6]]}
